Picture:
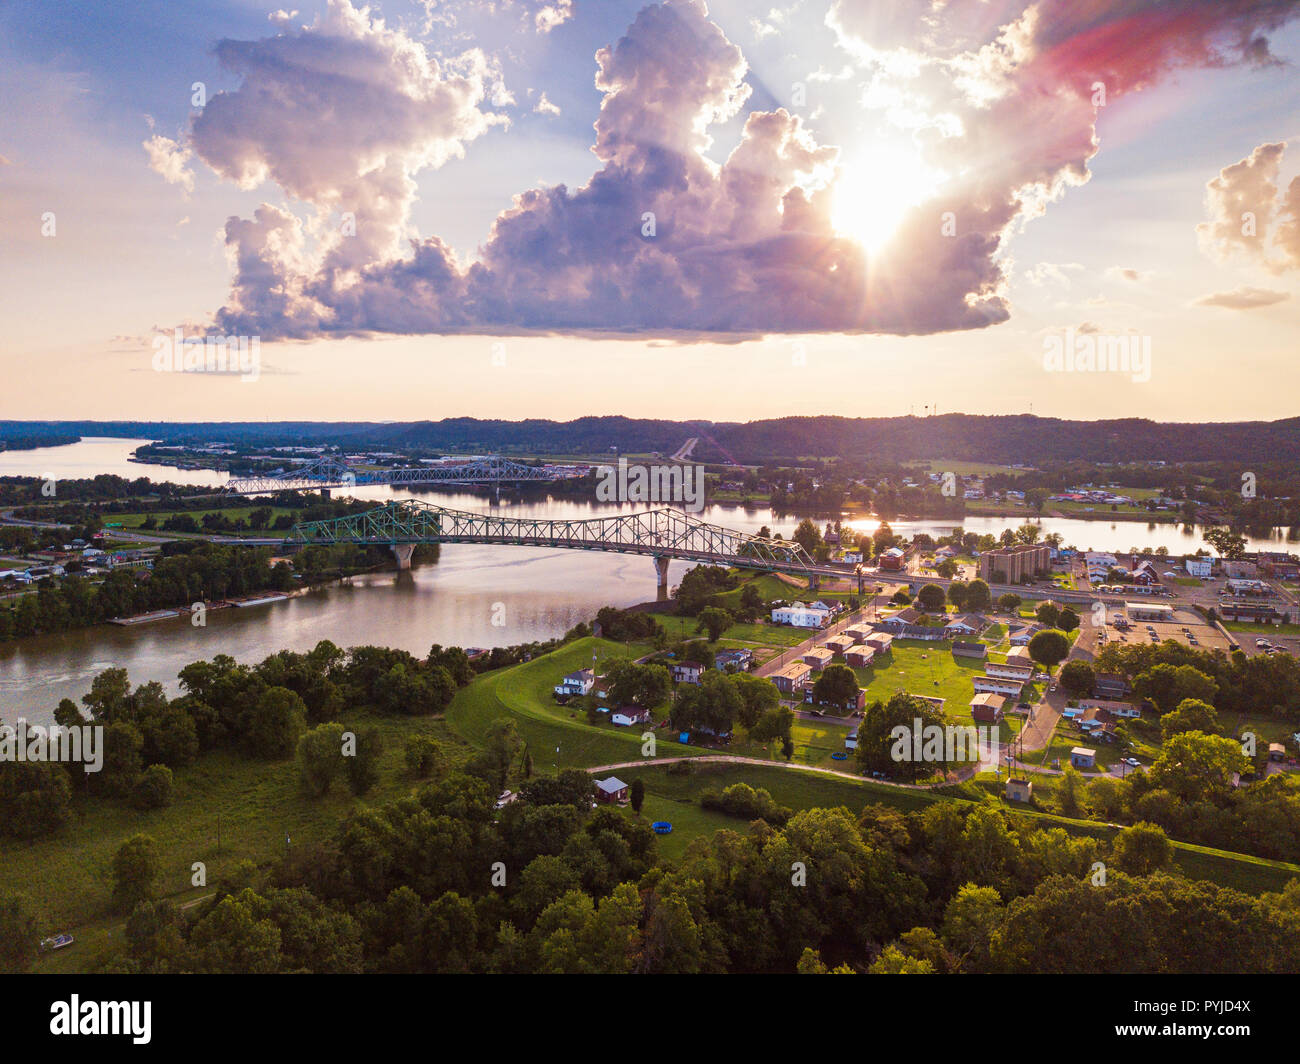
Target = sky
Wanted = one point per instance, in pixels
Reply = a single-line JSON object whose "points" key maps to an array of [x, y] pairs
{"points": [[732, 211]]}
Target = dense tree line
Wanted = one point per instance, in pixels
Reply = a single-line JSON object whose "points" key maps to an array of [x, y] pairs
{"points": [[441, 881]]}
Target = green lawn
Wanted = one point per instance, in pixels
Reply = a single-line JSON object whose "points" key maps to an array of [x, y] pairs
{"points": [[1262, 629]]}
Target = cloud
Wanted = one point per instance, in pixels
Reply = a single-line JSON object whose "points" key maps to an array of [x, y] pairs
{"points": [[170, 159], [1127, 273], [661, 237], [545, 107], [1056, 272], [548, 16], [1244, 298], [1244, 203]]}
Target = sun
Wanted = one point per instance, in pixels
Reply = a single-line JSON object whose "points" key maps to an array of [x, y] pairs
{"points": [[874, 191]]}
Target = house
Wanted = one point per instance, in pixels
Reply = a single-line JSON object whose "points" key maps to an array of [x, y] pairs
{"points": [[1240, 569], [738, 660], [986, 708], [838, 644], [858, 702], [1020, 673], [1022, 634], [880, 642], [1145, 573], [612, 790], [798, 615], [1199, 567], [686, 671], [1019, 790], [997, 686], [904, 624], [791, 678], [851, 741], [901, 619], [1083, 757], [1115, 709], [626, 716], [1110, 685], [893, 559], [965, 625], [859, 657], [859, 633], [1019, 656], [818, 658], [577, 683], [969, 650]]}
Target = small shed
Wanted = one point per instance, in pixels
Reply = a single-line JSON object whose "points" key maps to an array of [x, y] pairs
{"points": [[611, 790], [1019, 790], [1083, 757]]}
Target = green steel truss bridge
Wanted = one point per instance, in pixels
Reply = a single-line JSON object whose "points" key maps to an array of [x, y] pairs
{"points": [[325, 473], [661, 534]]}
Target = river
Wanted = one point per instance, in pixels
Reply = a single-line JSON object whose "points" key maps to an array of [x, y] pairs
{"points": [[481, 596]]}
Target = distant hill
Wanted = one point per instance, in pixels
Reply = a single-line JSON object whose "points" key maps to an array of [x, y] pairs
{"points": [[1004, 439]]}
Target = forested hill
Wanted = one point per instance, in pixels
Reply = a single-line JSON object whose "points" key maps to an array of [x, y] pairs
{"points": [[1009, 438]]}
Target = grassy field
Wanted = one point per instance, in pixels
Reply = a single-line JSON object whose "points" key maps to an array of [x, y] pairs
{"points": [[235, 513], [679, 796], [1262, 629], [255, 805]]}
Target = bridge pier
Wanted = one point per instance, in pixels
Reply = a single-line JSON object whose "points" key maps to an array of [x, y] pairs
{"points": [[403, 552], [661, 572]]}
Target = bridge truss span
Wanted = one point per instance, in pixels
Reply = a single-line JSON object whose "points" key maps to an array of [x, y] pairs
{"points": [[662, 534], [324, 473]]}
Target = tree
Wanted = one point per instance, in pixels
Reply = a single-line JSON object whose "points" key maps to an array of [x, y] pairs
{"points": [[879, 737], [1165, 685], [636, 794], [1198, 767], [978, 596], [35, 798], [808, 536], [361, 767], [1049, 647], [1142, 849], [969, 921], [641, 685], [931, 598], [1048, 613], [19, 937], [270, 727], [757, 696], [1229, 544], [1009, 601], [424, 756], [893, 961], [946, 568], [775, 723], [1067, 620], [957, 591], [1028, 533], [715, 621], [1190, 715], [153, 789], [1078, 677], [836, 686], [320, 758], [135, 869]]}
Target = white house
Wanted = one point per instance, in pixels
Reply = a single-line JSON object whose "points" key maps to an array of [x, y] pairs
{"points": [[800, 616], [577, 683], [626, 716], [1199, 567], [1117, 709], [1009, 671], [996, 686]]}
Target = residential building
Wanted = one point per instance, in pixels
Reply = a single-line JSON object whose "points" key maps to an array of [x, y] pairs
{"points": [[686, 671], [986, 708], [800, 616], [1012, 565], [1198, 567], [1110, 685], [740, 659], [1020, 673], [612, 790], [791, 678], [626, 716], [996, 685], [880, 642], [969, 650], [1115, 709], [818, 657], [859, 657], [577, 683], [1083, 757], [893, 559], [838, 644]]}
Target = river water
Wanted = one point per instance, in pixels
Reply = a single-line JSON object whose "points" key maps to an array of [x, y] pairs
{"points": [[481, 596]]}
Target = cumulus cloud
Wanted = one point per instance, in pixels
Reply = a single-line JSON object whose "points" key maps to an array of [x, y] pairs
{"points": [[170, 159], [1249, 215], [1001, 100], [1244, 298], [545, 106]]}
